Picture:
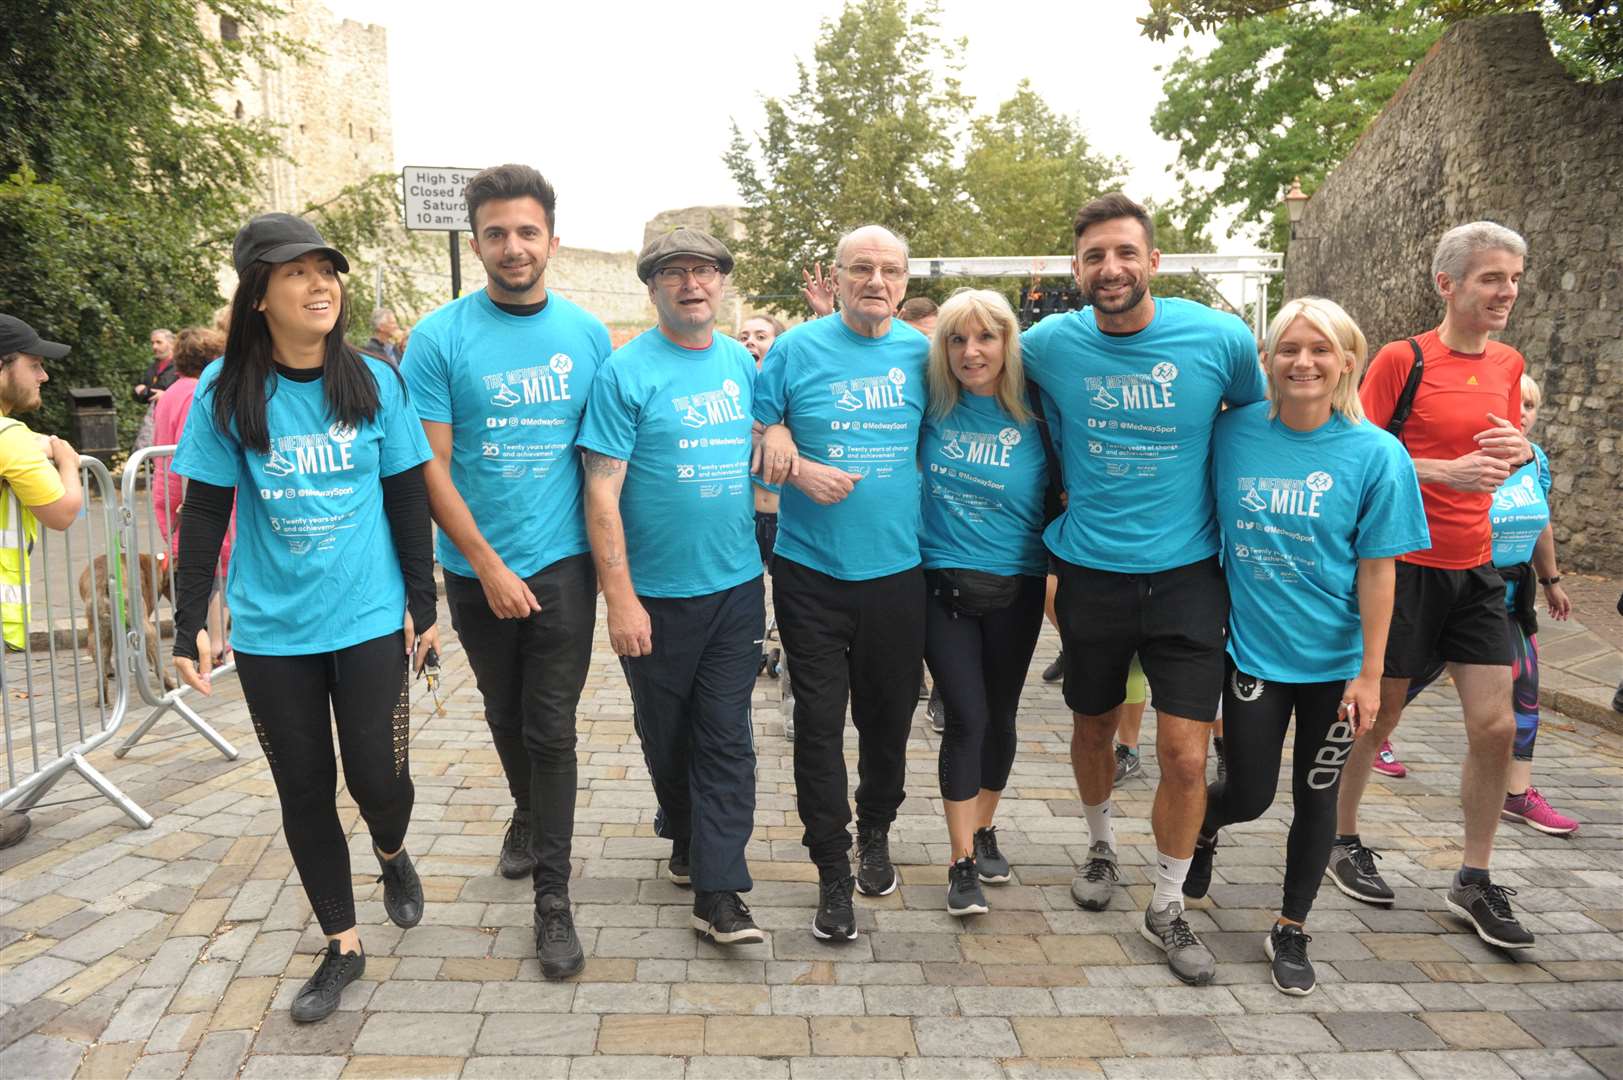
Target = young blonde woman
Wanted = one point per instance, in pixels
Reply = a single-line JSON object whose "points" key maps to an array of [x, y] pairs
{"points": [[985, 477]]}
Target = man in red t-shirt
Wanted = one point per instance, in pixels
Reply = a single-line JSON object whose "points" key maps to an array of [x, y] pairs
{"points": [[1463, 433]]}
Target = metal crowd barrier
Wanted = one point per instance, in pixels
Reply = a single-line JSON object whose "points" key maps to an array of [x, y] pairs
{"points": [[149, 521], [64, 676]]}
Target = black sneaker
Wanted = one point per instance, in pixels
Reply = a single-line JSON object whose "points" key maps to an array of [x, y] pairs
{"points": [[318, 997], [1128, 763], [556, 943], [1056, 671], [1286, 947], [402, 889], [679, 869], [725, 919], [1486, 907], [517, 859], [964, 896], [1352, 868], [1199, 878], [836, 919], [875, 874], [989, 861], [936, 711]]}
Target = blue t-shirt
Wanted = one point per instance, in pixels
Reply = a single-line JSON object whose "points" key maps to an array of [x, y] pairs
{"points": [[314, 567], [984, 478], [1298, 509], [1520, 511], [854, 403], [513, 388], [1134, 414], [680, 419]]}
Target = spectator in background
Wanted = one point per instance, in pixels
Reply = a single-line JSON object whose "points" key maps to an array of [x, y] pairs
{"points": [[919, 312], [158, 377], [385, 340]]}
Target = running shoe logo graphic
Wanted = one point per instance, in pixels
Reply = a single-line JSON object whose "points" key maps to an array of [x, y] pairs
{"points": [[848, 401], [277, 465], [1253, 502], [505, 397], [693, 418], [1246, 687], [952, 449], [1104, 400]]}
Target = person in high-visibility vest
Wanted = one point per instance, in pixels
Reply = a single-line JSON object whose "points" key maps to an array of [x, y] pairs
{"points": [[39, 482]]}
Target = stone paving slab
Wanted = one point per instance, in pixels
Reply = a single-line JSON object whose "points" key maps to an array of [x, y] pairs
{"points": [[175, 951]]}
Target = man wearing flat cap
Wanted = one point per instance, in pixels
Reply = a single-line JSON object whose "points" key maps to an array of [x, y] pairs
{"points": [[672, 524], [42, 472]]}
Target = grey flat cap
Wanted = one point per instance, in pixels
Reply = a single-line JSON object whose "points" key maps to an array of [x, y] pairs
{"points": [[683, 242]]}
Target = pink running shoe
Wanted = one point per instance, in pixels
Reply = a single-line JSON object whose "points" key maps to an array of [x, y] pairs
{"points": [[1530, 808], [1387, 764]]}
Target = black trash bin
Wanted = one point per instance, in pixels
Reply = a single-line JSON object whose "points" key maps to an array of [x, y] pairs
{"points": [[95, 421]]}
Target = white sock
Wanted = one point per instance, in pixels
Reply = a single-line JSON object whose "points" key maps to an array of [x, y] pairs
{"points": [[1169, 875], [1099, 826]]}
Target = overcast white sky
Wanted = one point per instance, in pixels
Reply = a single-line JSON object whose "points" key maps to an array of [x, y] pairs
{"points": [[582, 90]]}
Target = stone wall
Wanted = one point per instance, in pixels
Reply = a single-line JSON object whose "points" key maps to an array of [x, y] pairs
{"points": [[1491, 126], [603, 282]]}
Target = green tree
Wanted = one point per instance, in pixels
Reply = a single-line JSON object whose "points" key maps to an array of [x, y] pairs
{"points": [[867, 136]]}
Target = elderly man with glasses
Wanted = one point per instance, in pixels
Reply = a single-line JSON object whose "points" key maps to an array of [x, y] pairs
{"points": [[849, 392]]}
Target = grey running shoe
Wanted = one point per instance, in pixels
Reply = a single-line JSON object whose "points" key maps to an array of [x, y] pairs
{"points": [[1097, 878], [1128, 763], [876, 876], [556, 943], [1486, 907], [1286, 946], [1352, 868], [516, 861], [936, 710], [964, 895], [1186, 956], [679, 867], [989, 861]]}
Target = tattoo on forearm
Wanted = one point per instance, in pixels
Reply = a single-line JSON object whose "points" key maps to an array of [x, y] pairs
{"points": [[601, 464]]}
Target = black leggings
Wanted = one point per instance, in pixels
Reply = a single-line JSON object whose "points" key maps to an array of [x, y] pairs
{"points": [[979, 664], [293, 701], [1256, 716]]}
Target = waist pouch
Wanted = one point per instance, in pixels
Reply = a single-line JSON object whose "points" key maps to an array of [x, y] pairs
{"points": [[1521, 581], [973, 592]]}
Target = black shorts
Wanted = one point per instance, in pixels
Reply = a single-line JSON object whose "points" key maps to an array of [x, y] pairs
{"points": [[1456, 616], [1174, 620]]}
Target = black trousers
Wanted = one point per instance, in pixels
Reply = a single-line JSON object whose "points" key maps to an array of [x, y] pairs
{"points": [[979, 664], [856, 640], [1256, 715], [530, 673], [691, 698], [293, 702]]}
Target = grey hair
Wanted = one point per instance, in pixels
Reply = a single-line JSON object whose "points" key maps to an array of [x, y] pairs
{"points": [[839, 249], [1459, 244], [379, 314], [167, 333]]}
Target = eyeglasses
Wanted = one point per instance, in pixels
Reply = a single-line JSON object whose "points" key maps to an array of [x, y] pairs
{"points": [[864, 271], [677, 275]]}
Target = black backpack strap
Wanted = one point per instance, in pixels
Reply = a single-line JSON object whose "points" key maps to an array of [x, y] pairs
{"points": [[1053, 507], [1405, 402]]}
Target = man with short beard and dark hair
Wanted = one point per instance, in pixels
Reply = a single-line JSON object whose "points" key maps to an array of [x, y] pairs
{"points": [[1137, 382], [500, 378]]}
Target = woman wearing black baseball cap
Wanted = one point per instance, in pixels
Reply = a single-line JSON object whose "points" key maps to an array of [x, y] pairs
{"points": [[333, 545]]}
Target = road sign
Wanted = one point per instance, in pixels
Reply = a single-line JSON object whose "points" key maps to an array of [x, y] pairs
{"points": [[434, 199]]}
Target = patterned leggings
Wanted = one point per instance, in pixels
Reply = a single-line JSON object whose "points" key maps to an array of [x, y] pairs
{"points": [[1523, 691]]}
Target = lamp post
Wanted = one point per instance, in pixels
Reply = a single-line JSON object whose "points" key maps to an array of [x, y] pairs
{"points": [[1295, 204]]}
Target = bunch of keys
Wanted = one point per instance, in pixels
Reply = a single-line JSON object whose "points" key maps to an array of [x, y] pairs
{"points": [[430, 671]]}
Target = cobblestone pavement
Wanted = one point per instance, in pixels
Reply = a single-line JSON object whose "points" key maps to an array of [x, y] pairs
{"points": [[175, 951]]}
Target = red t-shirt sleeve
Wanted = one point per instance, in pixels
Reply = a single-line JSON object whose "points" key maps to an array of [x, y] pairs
{"points": [[1384, 382], [1513, 407]]}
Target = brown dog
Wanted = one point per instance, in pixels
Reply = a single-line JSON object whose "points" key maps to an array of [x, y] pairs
{"points": [[101, 620]]}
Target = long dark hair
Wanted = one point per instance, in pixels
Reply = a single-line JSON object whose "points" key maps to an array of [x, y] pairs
{"points": [[240, 395]]}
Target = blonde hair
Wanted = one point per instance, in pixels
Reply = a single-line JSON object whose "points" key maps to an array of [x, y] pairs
{"points": [[1531, 391], [1329, 319], [991, 310]]}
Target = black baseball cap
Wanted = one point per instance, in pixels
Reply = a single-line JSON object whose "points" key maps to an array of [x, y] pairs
{"points": [[18, 336], [280, 238]]}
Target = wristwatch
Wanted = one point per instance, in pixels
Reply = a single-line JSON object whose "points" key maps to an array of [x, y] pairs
{"points": [[1549, 580]]}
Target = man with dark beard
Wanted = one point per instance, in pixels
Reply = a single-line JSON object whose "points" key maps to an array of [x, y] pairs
{"points": [[500, 378], [1137, 383]]}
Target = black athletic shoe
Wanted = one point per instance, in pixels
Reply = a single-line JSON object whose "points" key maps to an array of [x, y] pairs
{"points": [[1056, 671], [679, 869], [517, 859], [836, 919], [402, 889], [936, 711], [1199, 878], [1486, 907], [964, 895], [1352, 868], [725, 919], [989, 861], [319, 996], [875, 874], [556, 943], [1286, 947]]}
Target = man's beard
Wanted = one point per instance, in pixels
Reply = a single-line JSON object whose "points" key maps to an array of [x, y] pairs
{"points": [[14, 399], [522, 286], [1134, 295]]}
